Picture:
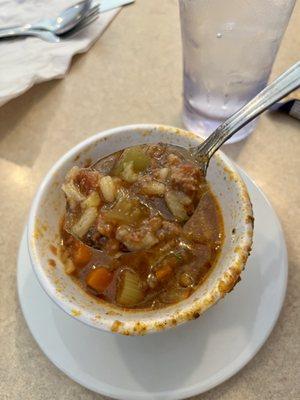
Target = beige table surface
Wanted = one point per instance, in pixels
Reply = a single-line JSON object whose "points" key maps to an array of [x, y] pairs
{"points": [[133, 74]]}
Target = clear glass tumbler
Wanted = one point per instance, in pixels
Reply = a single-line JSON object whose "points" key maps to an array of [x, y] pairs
{"points": [[229, 47]]}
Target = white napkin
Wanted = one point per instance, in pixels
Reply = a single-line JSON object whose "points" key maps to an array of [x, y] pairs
{"points": [[24, 62]]}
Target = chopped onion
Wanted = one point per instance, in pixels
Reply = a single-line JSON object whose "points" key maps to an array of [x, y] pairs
{"points": [[69, 266], [163, 173], [128, 173], [186, 280], [176, 205], [93, 200], [73, 194], [108, 188], [86, 220], [174, 295], [135, 239]]}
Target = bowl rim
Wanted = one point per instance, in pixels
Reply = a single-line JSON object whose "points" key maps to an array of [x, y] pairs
{"points": [[224, 284]]}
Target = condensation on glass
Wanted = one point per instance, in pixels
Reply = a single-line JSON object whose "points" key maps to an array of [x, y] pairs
{"points": [[228, 52]]}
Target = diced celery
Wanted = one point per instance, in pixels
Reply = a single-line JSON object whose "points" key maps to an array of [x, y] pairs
{"points": [[130, 292], [126, 211], [136, 155]]}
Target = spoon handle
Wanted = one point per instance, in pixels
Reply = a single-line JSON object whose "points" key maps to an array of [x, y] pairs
{"points": [[44, 35], [282, 86]]}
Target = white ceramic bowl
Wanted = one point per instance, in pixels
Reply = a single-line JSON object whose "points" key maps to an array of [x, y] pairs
{"points": [[49, 205]]}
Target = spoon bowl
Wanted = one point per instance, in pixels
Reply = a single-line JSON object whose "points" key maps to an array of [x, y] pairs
{"points": [[66, 20], [62, 23]]}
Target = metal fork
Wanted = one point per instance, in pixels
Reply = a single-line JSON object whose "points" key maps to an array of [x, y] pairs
{"points": [[90, 17]]}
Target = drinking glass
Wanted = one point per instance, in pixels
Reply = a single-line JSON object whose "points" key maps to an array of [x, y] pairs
{"points": [[229, 47]]}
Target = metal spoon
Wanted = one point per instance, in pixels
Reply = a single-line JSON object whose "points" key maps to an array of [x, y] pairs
{"points": [[281, 87], [44, 35], [64, 22], [90, 16]]}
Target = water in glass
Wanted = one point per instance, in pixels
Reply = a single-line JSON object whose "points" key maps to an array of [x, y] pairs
{"points": [[228, 51]]}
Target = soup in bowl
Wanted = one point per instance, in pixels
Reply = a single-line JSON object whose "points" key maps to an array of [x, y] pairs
{"points": [[169, 242]]}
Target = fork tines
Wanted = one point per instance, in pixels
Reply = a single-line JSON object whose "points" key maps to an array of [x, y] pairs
{"points": [[90, 17]]}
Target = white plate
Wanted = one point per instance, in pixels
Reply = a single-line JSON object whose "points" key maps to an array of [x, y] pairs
{"points": [[181, 362]]}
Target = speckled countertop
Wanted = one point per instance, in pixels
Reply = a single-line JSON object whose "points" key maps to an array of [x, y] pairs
{"points": [[133, 74]]}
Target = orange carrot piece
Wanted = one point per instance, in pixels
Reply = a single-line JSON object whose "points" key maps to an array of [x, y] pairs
{"points": [[81, 255], [99, 279], [163, 272]]}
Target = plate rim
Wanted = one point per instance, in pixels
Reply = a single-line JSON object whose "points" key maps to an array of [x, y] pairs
{"points": [[179, 394]]}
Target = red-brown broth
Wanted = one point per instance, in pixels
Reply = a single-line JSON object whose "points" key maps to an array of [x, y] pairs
{"points": [[180, 252]]}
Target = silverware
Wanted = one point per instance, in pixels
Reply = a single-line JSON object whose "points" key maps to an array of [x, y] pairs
{"points": [[282, 86], [44, 35], [290, 107], [65, 21], [90, 16]]}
